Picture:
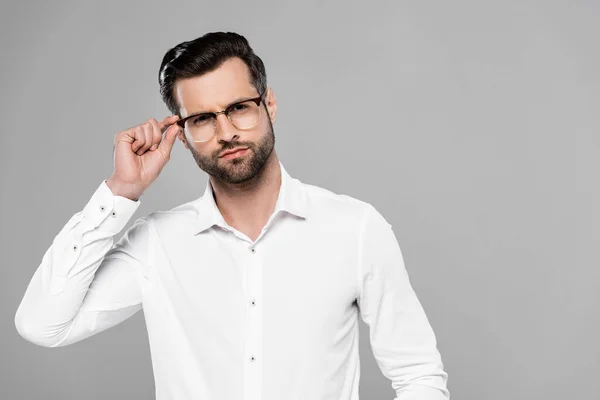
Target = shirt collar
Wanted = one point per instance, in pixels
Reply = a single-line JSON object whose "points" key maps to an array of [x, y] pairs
{"points": [[292, 198]]}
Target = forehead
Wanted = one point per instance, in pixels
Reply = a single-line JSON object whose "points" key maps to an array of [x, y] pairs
{"points": [[215, 90]]}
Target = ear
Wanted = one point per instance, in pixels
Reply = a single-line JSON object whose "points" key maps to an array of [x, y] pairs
{"points": [[271, 104], [181, 137]]}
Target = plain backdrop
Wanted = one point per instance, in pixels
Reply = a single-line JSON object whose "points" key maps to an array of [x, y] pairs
{"points": [[471, 125]]}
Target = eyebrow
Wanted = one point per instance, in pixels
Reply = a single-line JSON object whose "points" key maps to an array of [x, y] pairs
{"points": [[237, 100]]}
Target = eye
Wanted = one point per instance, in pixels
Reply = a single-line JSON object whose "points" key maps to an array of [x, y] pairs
{"points": [[201, 119], [239, 108]]}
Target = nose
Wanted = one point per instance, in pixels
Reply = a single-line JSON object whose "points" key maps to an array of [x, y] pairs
{"points": [[224, 128]]}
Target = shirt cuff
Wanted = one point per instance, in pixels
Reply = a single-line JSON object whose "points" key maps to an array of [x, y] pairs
{"points": [[107, 211]]}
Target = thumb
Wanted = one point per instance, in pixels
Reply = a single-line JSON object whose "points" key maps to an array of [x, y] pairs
{"points": [[168, 141]]}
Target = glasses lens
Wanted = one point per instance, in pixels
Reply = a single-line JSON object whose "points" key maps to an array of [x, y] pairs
{"points": [[244, 115], [200, 127]]}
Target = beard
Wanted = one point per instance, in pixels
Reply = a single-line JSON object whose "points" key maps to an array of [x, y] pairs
{"points": [[240, 169]]}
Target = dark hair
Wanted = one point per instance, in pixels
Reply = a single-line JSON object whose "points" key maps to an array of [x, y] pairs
{"points": [[203, 55]]}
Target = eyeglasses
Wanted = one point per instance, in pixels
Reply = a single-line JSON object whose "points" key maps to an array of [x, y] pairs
{"points": [[202, 127]]}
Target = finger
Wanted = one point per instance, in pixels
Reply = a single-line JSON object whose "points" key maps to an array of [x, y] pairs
{"points": [[138, 138], [156, 133], [168, 141], [147, 129], [171, 119]]}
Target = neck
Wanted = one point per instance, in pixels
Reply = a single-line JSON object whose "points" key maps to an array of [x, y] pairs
{"points": [[249, 205]]}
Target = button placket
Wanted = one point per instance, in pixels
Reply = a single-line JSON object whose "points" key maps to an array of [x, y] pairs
{"points": [[254, 317]]}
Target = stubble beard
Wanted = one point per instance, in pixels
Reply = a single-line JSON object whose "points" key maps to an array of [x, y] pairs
{"points": [[241, 169]]}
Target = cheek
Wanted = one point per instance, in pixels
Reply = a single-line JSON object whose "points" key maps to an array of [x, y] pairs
{"points": [[264, 129]]}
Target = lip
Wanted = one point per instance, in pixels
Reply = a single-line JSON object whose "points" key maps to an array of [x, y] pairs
{"points": [[233, 151]]}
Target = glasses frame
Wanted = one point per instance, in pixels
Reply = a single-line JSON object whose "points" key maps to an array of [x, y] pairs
{"points": [[257, 100]]}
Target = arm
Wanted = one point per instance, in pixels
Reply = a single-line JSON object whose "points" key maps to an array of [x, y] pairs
{"points": [[401, 337], [84, 284]]}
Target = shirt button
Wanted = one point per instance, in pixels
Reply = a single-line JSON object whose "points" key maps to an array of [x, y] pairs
{"points": [[253, 250], [253, 302], [74, 247], [114, 214], [252, 358], [101, 208]]}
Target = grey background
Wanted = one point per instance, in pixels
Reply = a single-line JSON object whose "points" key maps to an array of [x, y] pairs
{"points": [[471, 125]]}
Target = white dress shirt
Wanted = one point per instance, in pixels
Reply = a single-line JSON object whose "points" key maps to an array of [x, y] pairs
{"points": [[231, 318]]}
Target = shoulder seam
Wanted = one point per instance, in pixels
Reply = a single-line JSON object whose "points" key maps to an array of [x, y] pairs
{"points": [[361, 233]]}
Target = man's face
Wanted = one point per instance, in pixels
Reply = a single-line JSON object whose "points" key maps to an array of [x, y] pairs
{"points": [[213, 92]]}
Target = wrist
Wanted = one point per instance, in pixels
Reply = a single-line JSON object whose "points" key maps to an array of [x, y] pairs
{"points": [[122, 190]]}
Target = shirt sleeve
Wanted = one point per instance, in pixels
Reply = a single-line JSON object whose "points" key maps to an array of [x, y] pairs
{"points": [[403, 342], [85, 284]]}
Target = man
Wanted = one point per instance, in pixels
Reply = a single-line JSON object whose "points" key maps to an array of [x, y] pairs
{"points": [[252, 291]]}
